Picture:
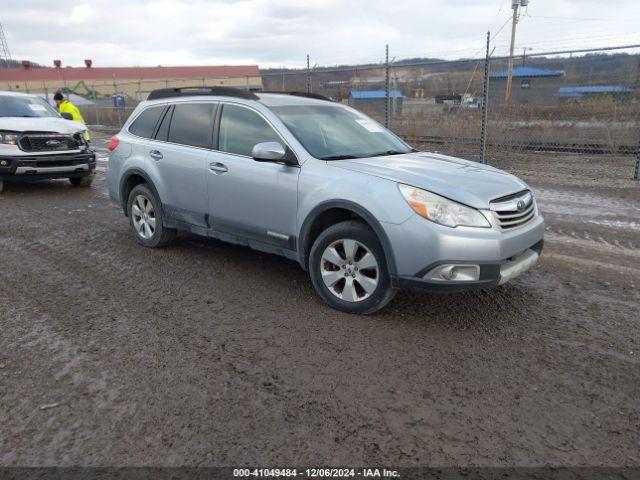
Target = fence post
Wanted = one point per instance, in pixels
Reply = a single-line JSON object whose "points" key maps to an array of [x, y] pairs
{"points": [[636, 174], [308, 76], [95, 102], [485, 105], [115, 92], [386, 86]]}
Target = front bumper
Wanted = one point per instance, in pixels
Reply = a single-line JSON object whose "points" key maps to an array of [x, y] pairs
{"points": [[420, 246], [491, 274], [62, 165]]}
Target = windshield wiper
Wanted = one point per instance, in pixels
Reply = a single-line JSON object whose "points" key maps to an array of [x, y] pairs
{"points": [[388, 152], [339, 157]]}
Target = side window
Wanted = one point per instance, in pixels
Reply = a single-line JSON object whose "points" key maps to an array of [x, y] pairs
{"points": [[241, 129], [145, 124], [163, 129], [192, 124]]}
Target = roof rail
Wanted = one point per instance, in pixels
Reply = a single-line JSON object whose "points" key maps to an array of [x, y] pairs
{"points": [[317, 96], [199, 91]]}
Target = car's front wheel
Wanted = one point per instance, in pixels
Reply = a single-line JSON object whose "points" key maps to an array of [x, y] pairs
{"points": [[145, 218], [348, 269]]}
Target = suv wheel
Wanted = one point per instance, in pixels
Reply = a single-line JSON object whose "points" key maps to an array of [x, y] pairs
{"points": [[1, 186], [145, 218], [81, 181], [348, 269]]}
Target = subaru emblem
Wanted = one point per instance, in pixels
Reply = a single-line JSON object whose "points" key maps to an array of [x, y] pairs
{"points": [[520, 205]]}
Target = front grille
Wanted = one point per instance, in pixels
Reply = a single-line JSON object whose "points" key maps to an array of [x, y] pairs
{"points": [[43, 142], [507, 212]]}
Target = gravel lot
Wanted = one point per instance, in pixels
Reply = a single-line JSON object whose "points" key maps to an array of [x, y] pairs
{"points": [[211, 354]]}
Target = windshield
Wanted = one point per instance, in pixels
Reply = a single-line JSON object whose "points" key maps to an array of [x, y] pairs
{"points": [[11, 106], [334, 132]]}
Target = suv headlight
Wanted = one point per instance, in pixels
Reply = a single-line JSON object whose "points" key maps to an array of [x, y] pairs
{"points": [[9, 138], [442, 210]]}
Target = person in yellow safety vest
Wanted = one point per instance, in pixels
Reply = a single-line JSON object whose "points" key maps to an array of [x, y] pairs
{"points": [[65, 106]]}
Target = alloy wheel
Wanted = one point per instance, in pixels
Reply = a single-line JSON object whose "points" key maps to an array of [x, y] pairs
{"points": [[349, 270], [144, 217]]}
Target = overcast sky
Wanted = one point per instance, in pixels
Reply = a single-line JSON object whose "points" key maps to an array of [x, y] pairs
{"points": [[272, 33]]}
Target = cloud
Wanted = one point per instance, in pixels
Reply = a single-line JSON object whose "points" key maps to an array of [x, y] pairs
{"points": [[282, 32], [81, 14]]}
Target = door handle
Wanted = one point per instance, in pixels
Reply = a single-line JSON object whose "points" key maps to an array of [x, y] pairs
{"points": [[218, 167], [155, 154]]}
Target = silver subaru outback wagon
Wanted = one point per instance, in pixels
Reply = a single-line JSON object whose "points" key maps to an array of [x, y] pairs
{"points": [[320, 183]]}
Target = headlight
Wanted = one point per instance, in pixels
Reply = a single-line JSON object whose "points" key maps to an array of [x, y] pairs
{"points": [[441, 210], [9, 138]]}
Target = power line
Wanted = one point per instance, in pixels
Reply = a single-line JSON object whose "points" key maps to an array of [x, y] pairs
{"points": [[579, 19], [449, 62]]}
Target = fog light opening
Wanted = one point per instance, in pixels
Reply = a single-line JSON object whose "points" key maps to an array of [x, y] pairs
{"points": [[454, 273]]}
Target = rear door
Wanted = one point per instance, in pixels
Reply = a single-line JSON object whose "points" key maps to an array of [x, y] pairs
{"points": [[180, 155], [253, 200]]}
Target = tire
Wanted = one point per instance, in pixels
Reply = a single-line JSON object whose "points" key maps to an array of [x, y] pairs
{"points": [[146, 218], [1, 186], [356, 287], [82, 181]]}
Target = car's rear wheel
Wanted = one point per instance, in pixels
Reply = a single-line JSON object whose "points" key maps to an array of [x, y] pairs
{"points": [[348, 269], [1, 186], [81, 181], [146, 217]]}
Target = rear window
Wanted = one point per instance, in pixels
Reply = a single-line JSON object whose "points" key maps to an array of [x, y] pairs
{"points": [[145, 124], [192, 124]]}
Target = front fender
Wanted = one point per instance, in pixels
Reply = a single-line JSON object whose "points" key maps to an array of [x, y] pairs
{"points": [[303, 248]]}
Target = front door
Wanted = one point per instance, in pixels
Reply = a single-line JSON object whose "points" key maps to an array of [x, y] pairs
{"points": [[249, 199]]}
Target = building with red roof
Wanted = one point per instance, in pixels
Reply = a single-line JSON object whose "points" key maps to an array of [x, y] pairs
{"points": [[135, 82]]}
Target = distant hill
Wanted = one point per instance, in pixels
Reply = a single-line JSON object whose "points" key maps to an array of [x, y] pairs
{"points": [[435, 76], [16, 64]]}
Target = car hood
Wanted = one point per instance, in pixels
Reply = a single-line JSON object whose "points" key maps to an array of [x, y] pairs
{"points": [[467, 182], [40, 124]]}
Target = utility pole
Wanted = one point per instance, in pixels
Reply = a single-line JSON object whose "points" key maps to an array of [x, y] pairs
{"points": [[5, 55], [394, 93], [386, 87], [514, 4]]}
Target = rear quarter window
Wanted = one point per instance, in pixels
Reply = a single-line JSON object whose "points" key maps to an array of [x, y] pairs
{"points": [[145, 124]]}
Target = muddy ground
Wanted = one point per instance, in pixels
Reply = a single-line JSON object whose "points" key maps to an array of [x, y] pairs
{"points": [[211, 354]]}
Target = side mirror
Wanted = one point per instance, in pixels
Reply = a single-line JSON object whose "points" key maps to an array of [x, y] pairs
{"points": [[66, 115], [268, 152]]}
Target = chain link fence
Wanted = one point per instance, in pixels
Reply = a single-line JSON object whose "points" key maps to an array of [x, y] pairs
{"points": [[583, 102]]}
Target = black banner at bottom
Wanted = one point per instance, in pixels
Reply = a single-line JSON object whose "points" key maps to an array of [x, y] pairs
{"points": [[321, 473]]}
